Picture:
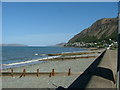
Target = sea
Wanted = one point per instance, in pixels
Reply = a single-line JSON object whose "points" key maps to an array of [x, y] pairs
{"points": [[10, 55]]}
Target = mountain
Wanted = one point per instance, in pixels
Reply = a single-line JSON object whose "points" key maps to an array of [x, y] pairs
{"points": [[12, 45], [60, 44], [102, 29]]}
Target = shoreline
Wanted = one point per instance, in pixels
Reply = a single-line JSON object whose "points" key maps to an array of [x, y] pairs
{"points": [[52, 64], [63, 56], [44, 81]]}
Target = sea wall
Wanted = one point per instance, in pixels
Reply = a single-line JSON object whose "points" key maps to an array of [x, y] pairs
{"points": [[100, 74], [104, 75]]}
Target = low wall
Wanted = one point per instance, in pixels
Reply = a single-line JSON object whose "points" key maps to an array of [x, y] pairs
{"points": [[100, 74], [104, 75]]}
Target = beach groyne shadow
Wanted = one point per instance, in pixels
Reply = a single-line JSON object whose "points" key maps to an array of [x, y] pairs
{"points": [[93, 70]]}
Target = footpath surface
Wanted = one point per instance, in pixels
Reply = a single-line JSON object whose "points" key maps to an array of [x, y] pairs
{"points": [[100, 74], [106, 76]]}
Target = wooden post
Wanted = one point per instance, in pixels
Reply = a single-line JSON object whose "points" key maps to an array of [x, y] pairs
{"points": [[37, 72], [50, 75], [12, 72], [73, 57], [24, 71], [87, 56], [69, 72], [23, 74], [53, 72]]}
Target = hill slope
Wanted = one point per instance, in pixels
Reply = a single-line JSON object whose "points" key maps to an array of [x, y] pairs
{"points": [[102, 29]]}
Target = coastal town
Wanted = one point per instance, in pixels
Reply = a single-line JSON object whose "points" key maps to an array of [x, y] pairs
{"points": [[103, 44]]}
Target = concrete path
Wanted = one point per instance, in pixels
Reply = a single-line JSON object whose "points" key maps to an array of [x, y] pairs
{"points": [[100, 74], [107, 72]]}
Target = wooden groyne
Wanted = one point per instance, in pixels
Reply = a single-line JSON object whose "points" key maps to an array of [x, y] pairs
{"points": [[62, 56], [72, 57], [25, 73], [74, 53]]}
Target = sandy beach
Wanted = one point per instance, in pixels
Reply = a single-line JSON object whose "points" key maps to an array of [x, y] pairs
{"points": [[61, 77], [77, 66]]}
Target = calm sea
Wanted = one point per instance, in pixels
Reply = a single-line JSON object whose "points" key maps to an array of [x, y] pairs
{"points": [[20, 54]]}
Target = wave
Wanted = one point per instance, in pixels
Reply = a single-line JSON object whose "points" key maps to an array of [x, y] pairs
{"points": [[30, 61]]}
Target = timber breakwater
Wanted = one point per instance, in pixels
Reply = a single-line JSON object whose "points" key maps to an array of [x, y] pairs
{"points": [[58, 56]]}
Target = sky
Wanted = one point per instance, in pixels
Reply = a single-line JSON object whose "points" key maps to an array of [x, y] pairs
{"points": [[50, 23]]}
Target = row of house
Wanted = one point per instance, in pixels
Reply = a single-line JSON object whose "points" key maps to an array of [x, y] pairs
{"points": [[92, 44]]}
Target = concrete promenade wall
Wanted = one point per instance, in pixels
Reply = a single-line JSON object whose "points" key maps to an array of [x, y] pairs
{"points": [[100, 74], [105, 73]]}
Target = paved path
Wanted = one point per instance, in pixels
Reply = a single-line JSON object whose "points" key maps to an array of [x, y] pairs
{"points": [[100, 74], [107, 70]]}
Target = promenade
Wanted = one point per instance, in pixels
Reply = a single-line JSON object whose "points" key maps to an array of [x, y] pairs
{"points": [[106, 74], [100, 74]]}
